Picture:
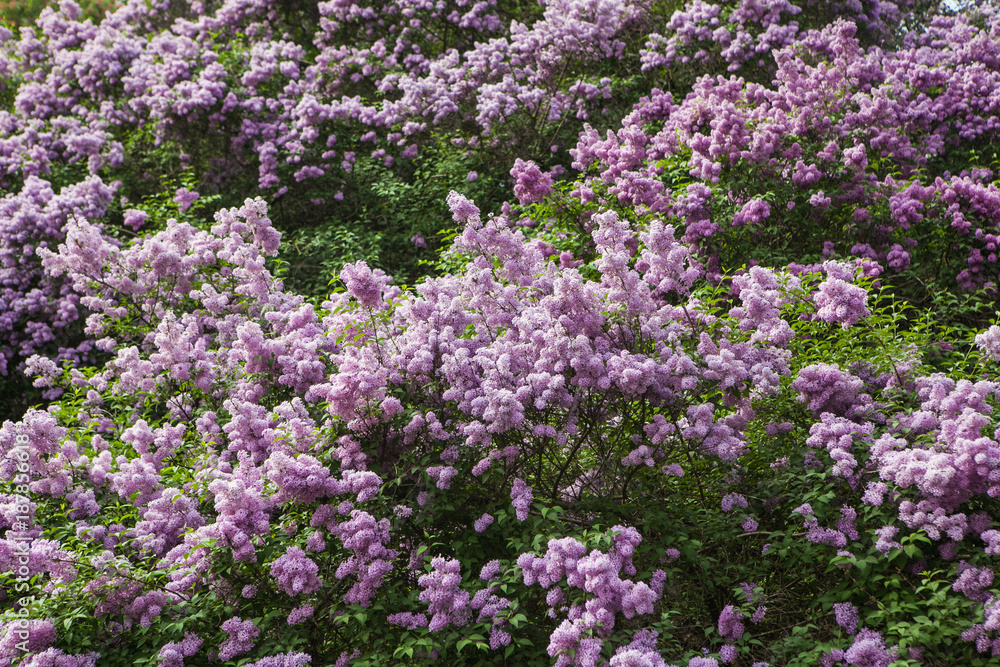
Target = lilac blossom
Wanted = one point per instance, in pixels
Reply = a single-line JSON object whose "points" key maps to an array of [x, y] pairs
{"points": [[730, 624], [826, 388], [847, 616], [447, 603], [530, 184], [841, 303], [242, 636], [173, 654], [295, 573], [989, 342]]}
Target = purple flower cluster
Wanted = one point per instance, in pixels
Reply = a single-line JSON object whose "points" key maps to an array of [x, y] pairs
{"points": [[841, 303], [826, 388], [295, 573], [582, 633], [745, 33], [173, 654], [283, 660], [989, 343], [447, 603], [868, 650], [730, 624], [242, 636], [371, 560], [837, 435], [530, 184], [961, 464], [847, 616], [972, 582], [520, 497]]}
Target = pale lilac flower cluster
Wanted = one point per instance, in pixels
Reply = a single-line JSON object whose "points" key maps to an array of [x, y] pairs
{"points": [[371, 559], [242, 637], [447, 603], [884, 542], [847, 616], [700, 32], [300, 614], [960, 466], [978, 633], [753, 212], [530, 184], [241, 515], [868, 650], [838, 435], [364, 284], [597, 574], [989, 343], [972, 582], [582, 633], [840, 302], [520, 497], [295, 572], [483, 522], [640, 652], [284, 660], [733, 500], [173, 654], [826, 388], [730, 624]]}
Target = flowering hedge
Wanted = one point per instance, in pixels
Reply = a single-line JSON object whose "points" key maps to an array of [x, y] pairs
{"points": [[672, 410], [520, 460], [879, 154], [355, 118]]}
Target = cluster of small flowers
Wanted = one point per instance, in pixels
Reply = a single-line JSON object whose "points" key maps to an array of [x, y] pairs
{"points": [[868, 650], [827, 389], [838, 435], [366, 537], [595, 573], [295, 573], [447, 603], [242, 636], [730, 624], [989, 343], [173, 654], [748, 33], [960, 466], [530, 184], [847, 616], [841, 303], [284, 660]]}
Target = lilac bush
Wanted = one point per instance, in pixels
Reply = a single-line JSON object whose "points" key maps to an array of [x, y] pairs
{"points": [[269, 92], [736, 163], [438, 466], [673, 410], [340, 113]]}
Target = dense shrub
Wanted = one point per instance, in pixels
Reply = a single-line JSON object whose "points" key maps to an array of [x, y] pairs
{"points": [[517, 459], [678, 407], [342, 114], [877, 154]]}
